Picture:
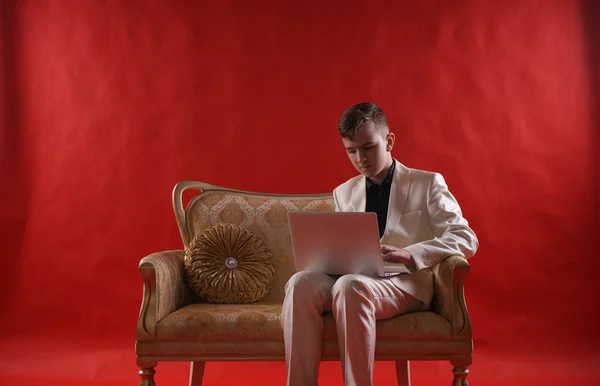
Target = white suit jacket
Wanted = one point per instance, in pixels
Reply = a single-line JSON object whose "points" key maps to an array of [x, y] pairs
{"points": [[423, 218]]}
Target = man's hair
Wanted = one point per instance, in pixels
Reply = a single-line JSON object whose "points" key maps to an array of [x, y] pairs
{"points": [[353, 118]]}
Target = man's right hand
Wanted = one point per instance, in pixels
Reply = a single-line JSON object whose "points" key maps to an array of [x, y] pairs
{"points": [[396, 255]]}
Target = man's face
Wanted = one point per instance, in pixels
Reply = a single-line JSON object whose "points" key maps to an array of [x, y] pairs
{"points": [[369, 151]]}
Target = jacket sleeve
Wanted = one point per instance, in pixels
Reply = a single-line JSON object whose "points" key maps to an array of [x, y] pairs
{"points": [[452, 233]]}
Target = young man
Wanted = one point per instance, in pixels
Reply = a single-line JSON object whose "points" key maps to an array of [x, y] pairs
{"points": [[420, 224]]}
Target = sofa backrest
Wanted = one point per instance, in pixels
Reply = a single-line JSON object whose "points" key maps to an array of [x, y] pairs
{"points": [[265, 215]]}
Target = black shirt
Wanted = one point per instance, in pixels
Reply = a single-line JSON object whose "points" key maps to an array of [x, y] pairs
{"points": [[378, 198]]}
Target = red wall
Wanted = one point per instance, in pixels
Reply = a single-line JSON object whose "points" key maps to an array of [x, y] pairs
{"points": [[107, 104]]}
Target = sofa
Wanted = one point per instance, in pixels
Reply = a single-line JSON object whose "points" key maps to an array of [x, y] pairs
{"points": [[176, 325]]}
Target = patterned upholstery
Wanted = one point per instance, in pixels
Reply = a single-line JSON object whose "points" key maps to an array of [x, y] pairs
{"points": [[262, 322], [263, 215]]}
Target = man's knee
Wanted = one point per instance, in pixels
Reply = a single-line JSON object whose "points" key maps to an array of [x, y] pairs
{"points": [[350, 286], [303, 282]]}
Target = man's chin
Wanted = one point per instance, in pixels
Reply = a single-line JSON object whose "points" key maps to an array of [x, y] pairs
{"points": [[367, 173]]}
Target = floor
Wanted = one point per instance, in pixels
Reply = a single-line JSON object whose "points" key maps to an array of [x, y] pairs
{"points": [[102, 363]]}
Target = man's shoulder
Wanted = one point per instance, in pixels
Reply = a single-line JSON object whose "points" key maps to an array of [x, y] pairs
{"points": [[349, 185], [421, 175]]}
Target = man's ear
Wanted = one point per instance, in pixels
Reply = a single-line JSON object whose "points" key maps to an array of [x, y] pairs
{"points": [[390, 140]]}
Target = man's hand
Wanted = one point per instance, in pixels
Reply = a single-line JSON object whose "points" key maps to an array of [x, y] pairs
{"points": [[396, 255]]}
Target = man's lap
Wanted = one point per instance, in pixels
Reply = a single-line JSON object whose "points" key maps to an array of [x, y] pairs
{"points": [[388, 300]]}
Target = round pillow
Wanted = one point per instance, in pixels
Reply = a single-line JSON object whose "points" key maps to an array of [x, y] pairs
{"points": [[227, 263]]}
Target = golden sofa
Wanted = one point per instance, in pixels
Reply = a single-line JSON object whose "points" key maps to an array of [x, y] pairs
{"points": [[174, 325]]}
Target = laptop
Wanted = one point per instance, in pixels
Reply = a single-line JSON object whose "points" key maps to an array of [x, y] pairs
{"points": [[336, 243]]}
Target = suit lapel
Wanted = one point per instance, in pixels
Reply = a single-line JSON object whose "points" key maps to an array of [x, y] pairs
{"points": [[358, 197], [398, 196]]}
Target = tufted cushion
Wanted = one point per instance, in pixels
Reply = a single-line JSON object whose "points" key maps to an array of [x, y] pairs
{"points": [[227, 263]]}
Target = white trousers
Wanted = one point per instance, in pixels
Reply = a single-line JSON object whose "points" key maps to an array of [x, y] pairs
{"points": [[356, 301]]}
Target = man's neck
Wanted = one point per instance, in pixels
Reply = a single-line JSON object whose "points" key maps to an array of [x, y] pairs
{"points": [[378, 179]]}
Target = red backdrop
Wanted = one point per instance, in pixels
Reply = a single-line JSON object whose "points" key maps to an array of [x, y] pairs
{"points": [[105, 105]]}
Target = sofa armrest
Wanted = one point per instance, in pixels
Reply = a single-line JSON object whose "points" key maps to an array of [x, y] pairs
{"points": [[165, 290], [449, 298]]}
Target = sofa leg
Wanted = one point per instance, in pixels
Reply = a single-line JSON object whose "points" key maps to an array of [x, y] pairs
{"points": [[460, 371], [196, 373], [403, 373], [146, 372]]}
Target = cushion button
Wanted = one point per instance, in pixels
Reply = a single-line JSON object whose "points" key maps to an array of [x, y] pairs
{"points": [[231, 262]]}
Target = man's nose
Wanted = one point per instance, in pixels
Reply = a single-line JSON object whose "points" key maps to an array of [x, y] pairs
{"points": [[359, 157]]}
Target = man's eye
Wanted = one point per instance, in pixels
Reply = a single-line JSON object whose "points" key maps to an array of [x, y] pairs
{"points": [[368, 147]]}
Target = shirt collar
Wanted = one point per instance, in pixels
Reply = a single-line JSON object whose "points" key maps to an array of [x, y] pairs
{"points": [[387, 180]]}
